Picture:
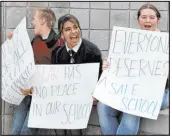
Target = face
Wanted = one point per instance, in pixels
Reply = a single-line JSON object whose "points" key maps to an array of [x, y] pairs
{"points": [[148, 20], [71, 33], [36, 22]]}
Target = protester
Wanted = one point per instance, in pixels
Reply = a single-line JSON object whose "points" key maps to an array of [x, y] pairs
{"points": [[44, 42], [148, 18], [76, 50]]}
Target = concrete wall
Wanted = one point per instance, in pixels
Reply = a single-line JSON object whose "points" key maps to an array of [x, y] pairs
{"points": [[96, 19]]}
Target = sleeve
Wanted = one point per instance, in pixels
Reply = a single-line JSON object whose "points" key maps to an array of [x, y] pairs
{"points": [[95, 57], [98, 58], [55, 54]]}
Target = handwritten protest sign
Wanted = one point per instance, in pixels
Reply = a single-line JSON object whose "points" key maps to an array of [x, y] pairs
{"points": [[135, 81], [62, 97], [17, 64]]}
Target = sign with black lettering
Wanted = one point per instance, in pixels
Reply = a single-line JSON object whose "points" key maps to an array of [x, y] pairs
{"points": [[135, 81], [62, 97], [17, 64]]}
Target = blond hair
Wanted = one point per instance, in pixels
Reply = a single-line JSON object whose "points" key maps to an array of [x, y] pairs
{"points": [[48, 14]]}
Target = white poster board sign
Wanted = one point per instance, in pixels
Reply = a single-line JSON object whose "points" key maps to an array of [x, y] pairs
{"points": [[62, 97], [135, 81], [17, 64]]}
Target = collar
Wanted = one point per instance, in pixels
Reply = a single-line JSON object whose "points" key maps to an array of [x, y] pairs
{"points": [[52, 38], [46, 36], [75, 48]]}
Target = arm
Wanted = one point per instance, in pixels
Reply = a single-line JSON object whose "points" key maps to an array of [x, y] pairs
{"points": [[104, 64], [98, 58], [54, 55]]}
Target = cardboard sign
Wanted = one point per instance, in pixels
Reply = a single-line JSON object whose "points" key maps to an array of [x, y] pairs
{"points": [[136, 78], [17, 64], [62, 97]]}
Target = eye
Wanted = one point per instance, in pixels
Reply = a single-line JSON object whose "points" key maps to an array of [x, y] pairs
{"points": [[143, 17], [152, 17], [67, 29], [75, 27]]}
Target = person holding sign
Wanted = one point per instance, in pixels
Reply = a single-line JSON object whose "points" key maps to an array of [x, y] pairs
{"points": [[148, 18], [44, 42], [76, 50]]}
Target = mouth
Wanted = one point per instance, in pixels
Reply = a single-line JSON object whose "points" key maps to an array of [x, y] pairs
{"points": [[147, 26], [34, 26], [74, 38]]}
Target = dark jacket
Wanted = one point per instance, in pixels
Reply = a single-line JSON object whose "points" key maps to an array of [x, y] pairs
{"points": [[87, 53], [42, 49]]}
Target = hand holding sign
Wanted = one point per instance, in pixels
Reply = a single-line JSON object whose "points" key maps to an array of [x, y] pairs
{"points": [[10, 35], [106, 64], [27, 91], [17, 68]]}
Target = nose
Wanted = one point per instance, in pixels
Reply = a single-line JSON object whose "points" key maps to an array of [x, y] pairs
{"points": [[147, 19], [73, 30]]}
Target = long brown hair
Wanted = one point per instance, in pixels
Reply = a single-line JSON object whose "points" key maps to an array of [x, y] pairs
{"points": [[65, 18]]}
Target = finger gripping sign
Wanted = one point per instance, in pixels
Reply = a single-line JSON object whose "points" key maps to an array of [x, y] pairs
{"points": [[135, 81], [17, 64], [62, 96]]}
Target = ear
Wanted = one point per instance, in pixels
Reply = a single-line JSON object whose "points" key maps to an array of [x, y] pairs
{"points": [[158, 21], [43, 21], [61, 34]]}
